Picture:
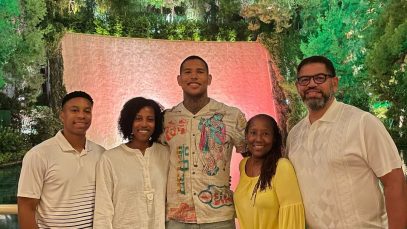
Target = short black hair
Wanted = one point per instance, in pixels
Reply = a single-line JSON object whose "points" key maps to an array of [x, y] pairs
{"points": [[318, 59], [193, 58], [129, 112], [76, 94]]}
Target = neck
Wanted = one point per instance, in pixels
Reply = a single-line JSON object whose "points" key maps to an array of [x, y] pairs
{"points": [[78, 142], [195, 104], [253, 166], [142, 146], [256, 160], [315, 115]]}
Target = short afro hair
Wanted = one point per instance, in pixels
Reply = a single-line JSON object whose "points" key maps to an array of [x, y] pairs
{"points": [[76, 94], [129, 112]]}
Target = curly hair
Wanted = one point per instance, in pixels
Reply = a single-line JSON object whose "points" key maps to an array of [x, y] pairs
{"points": [[268, 168], [129, 112]]}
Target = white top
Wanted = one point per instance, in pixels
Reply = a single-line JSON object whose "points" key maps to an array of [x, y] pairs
{"points": [[64, 181], [337, 160], [130, 188], [201, 145]]}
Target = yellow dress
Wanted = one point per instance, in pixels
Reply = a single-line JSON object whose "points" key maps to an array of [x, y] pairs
{"points": [[278, 207]]}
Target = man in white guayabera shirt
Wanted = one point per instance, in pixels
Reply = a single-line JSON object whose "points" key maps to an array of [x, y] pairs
{"points": [[340, 153], [57, 182]]}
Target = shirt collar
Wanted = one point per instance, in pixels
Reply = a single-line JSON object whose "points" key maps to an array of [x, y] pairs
{"points": [[66, 146], [332, 113], [210, 106]]}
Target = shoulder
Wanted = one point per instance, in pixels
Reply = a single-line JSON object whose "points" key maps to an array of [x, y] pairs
{"points": [[96, 147], [176, 108], [160, 148], [242, 163], [353, 111], [284, 165], [113, 151], [41, 150], [221, 106], [358, 116], [232, 115]]}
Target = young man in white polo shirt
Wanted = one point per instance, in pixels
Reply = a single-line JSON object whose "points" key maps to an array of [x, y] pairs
{"points": [[340, 153], [57, 181], [201, 133]]}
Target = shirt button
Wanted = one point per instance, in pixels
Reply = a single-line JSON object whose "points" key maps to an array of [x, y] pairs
{"points": [[193, 134], [193, 172], [194, 193]]}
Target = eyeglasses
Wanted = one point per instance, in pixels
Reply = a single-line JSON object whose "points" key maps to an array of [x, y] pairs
{"points": [[319, 78]]}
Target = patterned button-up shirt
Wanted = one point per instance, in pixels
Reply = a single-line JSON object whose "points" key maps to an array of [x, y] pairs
{"points": [[198, 188]]}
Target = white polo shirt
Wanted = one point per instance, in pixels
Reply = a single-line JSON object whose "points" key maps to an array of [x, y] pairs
{"points": [[63, 180], [338, 160]]}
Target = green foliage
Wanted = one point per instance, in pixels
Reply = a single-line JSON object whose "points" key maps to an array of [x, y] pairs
{"points": [[13, 145], [22, 68], [339, 36], [45, 124], [9, 12], [387, 62], [157, 27], [297, 108]]}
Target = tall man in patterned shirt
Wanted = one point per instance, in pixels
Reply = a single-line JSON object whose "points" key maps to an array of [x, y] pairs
{"points": [[57, 181], [201, 133], [340, 153]]}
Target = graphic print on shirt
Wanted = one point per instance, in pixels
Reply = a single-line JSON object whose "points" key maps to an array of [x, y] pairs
{"points": [[183, 166], [216, 196], [213, 137], [174, 128], [241, 125], [183, 213]]}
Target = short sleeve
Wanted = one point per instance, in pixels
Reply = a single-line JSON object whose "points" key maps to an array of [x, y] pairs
{"points": [[238, 132], [32, 175], [382, 153], [291, 213]]}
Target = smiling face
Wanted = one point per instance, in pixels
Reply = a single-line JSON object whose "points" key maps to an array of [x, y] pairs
{"points": [[317, 96], [143, 125], [194, 78], [76, 115], [259, 137]]}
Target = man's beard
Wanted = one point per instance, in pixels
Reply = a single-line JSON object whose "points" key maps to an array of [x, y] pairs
{"points": [[316, 104]]}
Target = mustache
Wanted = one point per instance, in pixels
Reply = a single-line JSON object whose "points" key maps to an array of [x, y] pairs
{"points": [[313, 89]]}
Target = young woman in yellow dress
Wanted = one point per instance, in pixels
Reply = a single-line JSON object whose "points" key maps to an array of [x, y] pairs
{"points": [[267, 196]]}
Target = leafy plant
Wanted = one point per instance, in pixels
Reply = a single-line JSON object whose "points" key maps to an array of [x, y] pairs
{"points": [[13, 145], [45, 124]]}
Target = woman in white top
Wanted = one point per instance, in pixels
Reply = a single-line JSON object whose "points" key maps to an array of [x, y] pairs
{"points": [[131, 178]]}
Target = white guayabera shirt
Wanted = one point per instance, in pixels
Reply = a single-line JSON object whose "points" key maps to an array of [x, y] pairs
{"points": [[337, 160]]}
